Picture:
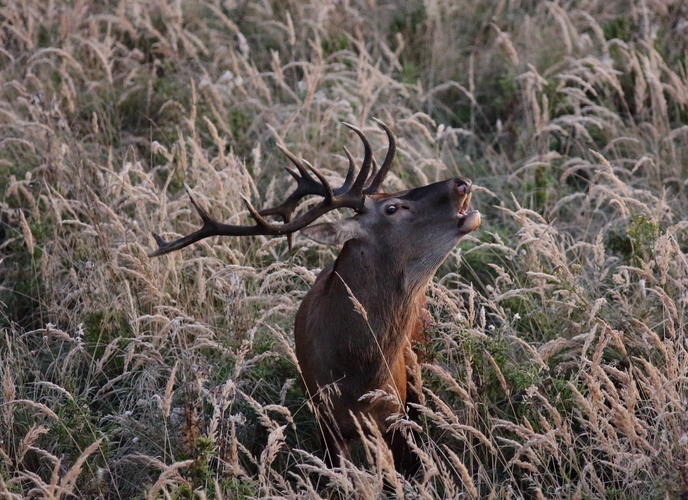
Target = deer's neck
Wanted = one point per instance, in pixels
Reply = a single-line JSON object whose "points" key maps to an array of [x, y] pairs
{"points": [[379, 287]]}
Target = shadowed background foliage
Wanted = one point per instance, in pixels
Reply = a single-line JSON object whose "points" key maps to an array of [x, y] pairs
{"points": [[555, 367]]}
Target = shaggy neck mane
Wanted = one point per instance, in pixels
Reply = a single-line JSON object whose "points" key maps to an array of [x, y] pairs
{"points": [[380, 286]]}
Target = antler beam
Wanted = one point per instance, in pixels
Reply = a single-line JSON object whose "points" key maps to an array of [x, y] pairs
{"points": [[350, 195]]}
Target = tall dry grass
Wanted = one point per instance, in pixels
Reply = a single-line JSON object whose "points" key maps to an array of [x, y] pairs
{"points": [[556, 365]]}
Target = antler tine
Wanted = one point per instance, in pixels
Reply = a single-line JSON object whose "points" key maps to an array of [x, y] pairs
{"points": [[165, 247], [375, 185], [329, 194], [292, 157], [305, 185], [349, 174], [258, 217], [210, 227], [371, 177], [362, 176]]}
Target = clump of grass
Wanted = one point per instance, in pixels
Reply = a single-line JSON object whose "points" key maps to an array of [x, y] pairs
{"points": [[555, 367]]}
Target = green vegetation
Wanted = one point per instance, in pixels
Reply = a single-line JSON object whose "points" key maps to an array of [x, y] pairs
{"points": [[555, 367]]}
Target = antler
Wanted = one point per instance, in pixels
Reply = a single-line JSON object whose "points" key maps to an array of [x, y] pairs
{"points": [[376, 183], [350, 195]]}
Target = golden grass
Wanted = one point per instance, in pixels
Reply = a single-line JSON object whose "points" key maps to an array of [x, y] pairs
{"points": [[557, 364]]}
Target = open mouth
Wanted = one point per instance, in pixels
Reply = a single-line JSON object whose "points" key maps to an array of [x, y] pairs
{"points": [[464, 206], [467, 220]]}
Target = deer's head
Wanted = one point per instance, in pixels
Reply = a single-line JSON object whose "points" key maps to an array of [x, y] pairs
{"points": [[413, 230]]}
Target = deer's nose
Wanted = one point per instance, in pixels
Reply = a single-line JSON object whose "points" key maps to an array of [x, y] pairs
{"points": [[463, 185]]}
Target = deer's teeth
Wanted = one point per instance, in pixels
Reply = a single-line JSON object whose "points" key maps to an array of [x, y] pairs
{"points": [[464, 206]]}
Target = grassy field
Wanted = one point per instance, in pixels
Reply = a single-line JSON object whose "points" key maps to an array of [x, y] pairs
{"points": [[557, 365]]}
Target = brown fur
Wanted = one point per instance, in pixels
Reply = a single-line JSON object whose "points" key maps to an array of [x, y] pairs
{"points": [[356, 326]]}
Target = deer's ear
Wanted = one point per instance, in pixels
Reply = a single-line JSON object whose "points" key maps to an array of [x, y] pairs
{"points": [[334, 233]]}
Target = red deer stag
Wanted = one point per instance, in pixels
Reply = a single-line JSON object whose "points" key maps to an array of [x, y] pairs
{"points": [[354, 327]]}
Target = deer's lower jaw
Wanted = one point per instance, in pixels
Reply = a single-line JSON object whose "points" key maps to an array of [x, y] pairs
{"points": [[468, 221]]}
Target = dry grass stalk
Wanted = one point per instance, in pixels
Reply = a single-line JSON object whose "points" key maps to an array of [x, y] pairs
{"points": [[558, 373]]}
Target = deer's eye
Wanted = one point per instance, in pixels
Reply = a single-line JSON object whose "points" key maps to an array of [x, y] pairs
{"points": [[391, 209]]}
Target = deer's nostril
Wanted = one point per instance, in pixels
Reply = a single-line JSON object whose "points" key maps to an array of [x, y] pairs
{"points": [[463, 185]]}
